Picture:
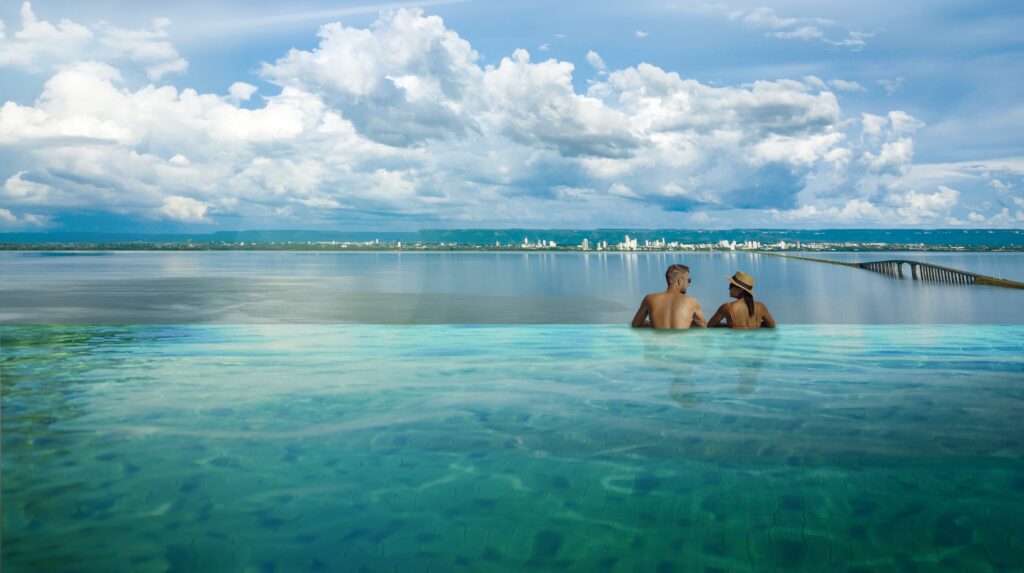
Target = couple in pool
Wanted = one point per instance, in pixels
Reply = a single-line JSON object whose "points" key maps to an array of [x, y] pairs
{"points": [[674, 309]]}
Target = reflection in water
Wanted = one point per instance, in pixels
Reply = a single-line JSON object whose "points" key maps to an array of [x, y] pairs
{"points": [[750, 351], [679, 353], [698, 357]]}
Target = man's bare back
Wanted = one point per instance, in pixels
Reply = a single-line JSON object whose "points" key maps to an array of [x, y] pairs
{"points": [[672, 308]]}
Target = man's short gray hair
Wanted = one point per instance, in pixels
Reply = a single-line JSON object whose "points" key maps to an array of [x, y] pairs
{"points": [[676, 272]]}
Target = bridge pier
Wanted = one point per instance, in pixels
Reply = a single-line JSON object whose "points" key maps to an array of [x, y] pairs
{"points": [[900, 267], [913, 271]]}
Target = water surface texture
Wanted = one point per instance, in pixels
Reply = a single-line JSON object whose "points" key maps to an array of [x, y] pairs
{"points": [[459, 288], [511, 448]]}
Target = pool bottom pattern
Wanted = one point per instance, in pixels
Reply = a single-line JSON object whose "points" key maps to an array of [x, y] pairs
{"points": [[509, 448]]}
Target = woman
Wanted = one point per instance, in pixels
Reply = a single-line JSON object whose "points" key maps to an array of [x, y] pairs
{"points": [[743, 312]]}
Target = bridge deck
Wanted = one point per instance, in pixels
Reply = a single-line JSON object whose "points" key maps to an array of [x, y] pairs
{"points": [[919, 270]]}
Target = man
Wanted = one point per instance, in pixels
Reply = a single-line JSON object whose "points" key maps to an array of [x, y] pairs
{"points": [[672, 308]]}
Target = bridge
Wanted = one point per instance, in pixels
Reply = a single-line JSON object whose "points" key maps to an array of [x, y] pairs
{"points": [[919, 271]]}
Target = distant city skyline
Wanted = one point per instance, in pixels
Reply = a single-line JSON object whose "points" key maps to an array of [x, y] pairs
{"points": [[203, 116]]}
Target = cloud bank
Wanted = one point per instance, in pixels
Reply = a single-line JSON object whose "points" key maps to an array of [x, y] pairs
{"points": [[401, 124]]}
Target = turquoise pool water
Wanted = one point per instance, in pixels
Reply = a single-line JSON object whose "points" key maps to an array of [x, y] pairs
{"points": [[509, 448]]}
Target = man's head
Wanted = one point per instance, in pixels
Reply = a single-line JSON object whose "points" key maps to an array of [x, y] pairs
{"points": [[678, 276]]}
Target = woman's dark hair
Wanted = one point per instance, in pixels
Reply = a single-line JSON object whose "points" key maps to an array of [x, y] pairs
{"points": [[748, 298]]}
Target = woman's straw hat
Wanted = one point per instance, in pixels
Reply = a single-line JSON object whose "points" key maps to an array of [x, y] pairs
{"points": [[743, 280]]}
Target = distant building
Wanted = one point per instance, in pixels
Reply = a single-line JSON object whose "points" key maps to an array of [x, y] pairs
{"points": [[585, 245]]}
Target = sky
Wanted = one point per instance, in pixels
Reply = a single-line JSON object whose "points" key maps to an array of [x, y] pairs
{"points": [[197, 116]]}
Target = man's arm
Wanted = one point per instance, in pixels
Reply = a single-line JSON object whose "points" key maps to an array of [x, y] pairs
{"points": [[720, 315], [698, 318], [767, 320], [640, 319]]}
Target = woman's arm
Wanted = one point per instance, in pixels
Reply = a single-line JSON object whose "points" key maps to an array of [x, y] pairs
{"points": [[767, 320], [721, 314]]}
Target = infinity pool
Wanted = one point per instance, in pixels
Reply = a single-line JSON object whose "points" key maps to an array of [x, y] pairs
{"points": [[504, 448]]}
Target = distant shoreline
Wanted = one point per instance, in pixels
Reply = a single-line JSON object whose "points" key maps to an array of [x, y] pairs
{"points": [[528, 240], [469, 248]]}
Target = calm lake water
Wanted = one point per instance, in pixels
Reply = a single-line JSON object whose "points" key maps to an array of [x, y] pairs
{"points": [[453, 288], [509, 448]]}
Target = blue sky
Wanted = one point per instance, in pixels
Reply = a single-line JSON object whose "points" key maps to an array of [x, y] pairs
{"points": [[145, 116]]}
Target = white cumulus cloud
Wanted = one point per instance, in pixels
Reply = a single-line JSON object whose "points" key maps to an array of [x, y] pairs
{"points": [[241, 91], [40, 45], [11, 221], [184, 209], [914, 207], [847, 86]]}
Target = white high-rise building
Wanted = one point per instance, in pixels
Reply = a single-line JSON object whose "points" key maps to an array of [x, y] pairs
{"points": [[585, 245]]}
